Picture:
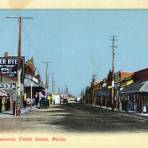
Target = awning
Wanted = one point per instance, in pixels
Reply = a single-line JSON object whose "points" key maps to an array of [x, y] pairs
{"points": [[3, 93], [41, 95], [29, 83], [136, 87], [103, 92]]}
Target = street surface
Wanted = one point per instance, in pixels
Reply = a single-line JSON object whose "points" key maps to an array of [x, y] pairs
{"points": [[74, 118]]}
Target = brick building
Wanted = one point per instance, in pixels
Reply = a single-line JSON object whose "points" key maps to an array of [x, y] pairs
{"points": [[141, 75]]}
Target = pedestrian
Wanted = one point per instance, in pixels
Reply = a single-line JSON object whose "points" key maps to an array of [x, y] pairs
{"points": [[24, 103], [36, 100]]}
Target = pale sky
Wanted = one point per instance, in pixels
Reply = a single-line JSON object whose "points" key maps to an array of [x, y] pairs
{"points": [[78, 41]]}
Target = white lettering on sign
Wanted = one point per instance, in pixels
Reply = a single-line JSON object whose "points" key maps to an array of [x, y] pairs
{"points": [[9, 66], [12, 62], [8, 61], [7, 85], [3, 61]]}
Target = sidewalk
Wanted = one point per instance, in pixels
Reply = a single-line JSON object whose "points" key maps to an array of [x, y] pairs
{"points": [[129, 112], [9, 114]]}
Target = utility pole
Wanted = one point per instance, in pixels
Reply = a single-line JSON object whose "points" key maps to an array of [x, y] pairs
{"points": [[31, 98], [53, 84], [66, 89], [19, 70], [114, 38], [59, 91], [92, 93], [47, 78]]}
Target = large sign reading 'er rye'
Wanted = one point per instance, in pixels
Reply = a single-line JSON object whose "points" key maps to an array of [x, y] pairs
{"points": [[9, 66]]}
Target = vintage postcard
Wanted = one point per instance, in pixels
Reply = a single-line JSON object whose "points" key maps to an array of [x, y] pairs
{"points": [[73, 73]]}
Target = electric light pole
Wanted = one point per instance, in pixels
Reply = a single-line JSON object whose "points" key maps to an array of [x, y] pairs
{"points": [[113, 69], [19, 65], [53, 84], [46, 79]]}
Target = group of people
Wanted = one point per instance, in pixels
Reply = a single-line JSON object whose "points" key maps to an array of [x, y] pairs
{"points": [[38, 100]]}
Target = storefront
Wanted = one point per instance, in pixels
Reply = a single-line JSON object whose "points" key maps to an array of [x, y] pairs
{"points": [[4, 101], [30, 85], [135, 97], [103, 97]]}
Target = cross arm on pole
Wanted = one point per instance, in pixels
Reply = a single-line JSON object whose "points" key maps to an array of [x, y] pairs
{"points": [[13, 17]]}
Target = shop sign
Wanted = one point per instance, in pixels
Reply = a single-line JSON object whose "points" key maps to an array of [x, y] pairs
{"points": [[130, 82], [8, 66], [127, 83], [7, 85]]}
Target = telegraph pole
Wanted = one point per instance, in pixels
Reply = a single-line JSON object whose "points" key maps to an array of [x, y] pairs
{"points": [[53, 84], [19, 70], [66, 89], [47, 78], [59, 91], [114, 38], [92, 84]]}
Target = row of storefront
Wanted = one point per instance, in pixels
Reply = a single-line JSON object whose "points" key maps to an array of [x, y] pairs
{"points": [[130, 92], [31, 83]]}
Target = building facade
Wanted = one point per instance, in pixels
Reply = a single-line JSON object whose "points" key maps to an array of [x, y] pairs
{"points": [[130, 91]]}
